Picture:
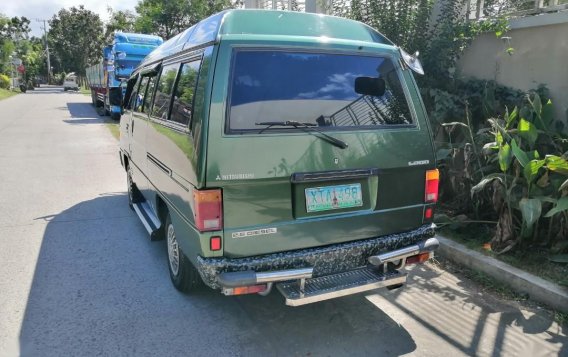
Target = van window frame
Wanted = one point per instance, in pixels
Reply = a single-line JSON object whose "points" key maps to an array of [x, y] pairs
{"points": [[186, 128], [199, 60], [285, 130], [159, 77]]}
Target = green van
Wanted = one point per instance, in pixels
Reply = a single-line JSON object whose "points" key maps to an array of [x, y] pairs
{"points": [[275, 148]]}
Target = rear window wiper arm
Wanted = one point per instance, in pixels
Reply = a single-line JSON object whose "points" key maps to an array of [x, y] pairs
{"points": [[310, 127]]}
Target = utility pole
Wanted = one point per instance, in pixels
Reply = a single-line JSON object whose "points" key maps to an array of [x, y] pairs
{"points": [[44, 28]]}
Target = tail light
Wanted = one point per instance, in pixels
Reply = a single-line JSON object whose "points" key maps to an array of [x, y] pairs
{"points": [[242, 290], [208, 210], [419, 258], [215, 243], [432, 180]]}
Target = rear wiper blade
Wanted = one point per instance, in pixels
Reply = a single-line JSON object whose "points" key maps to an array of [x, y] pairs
{"points": [[310, 127]]}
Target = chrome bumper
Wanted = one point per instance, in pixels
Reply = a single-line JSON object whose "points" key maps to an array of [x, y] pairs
{"points": [[249, 277], [400, 255]]}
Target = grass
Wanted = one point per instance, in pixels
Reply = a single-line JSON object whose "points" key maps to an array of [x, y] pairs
{"points": [[534, 261], [85, 91], [5, 93], [114, 127]]}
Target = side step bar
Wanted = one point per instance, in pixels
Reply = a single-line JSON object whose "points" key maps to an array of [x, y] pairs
{"points": [[299, 293], [148, 218]]}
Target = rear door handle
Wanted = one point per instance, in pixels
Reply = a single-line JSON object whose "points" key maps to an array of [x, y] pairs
{"points": [[132, 125]]}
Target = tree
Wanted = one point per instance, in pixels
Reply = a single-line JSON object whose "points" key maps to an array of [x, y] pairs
{"points": [[13, 33], [119, 21], [167, 18], [76, 38]]}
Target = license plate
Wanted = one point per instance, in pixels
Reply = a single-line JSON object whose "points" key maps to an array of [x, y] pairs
{"points": [[333, 197]]}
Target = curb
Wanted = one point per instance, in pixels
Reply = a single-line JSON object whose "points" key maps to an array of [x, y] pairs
{"points": [[537, 288]]}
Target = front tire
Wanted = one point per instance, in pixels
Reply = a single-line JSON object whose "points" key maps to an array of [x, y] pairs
{"points": [[182, 273]]}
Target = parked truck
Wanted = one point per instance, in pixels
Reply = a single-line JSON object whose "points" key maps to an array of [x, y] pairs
{"points": [[107, 79]]}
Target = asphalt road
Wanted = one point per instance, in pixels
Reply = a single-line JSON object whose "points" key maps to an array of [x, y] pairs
{"points": [[79, 276]]}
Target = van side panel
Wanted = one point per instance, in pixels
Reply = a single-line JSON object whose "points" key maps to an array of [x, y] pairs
{"points": [[175, 162]]}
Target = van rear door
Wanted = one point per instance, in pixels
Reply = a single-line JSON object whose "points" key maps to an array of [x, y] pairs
{"points": [[286, 186]]}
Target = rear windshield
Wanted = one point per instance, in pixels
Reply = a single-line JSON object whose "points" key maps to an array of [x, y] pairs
{"points": [[315, 88]]}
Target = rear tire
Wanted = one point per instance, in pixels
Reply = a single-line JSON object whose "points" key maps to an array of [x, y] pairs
{"points": [[183, 274]]}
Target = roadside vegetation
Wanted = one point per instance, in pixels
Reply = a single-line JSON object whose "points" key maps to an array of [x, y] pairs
{"points": [[5, 93], [501, 152]]}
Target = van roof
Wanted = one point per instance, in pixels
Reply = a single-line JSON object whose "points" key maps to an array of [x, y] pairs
{"points": [[265, 22]]}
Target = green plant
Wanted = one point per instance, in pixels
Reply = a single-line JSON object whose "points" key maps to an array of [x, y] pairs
{"points": [[4, 81], [530, 187]]}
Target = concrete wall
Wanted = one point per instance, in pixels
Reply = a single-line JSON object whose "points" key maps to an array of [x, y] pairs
{"points": [[541, 56]]}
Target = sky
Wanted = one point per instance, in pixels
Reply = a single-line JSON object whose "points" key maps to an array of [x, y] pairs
{"points": [[45, 9]]}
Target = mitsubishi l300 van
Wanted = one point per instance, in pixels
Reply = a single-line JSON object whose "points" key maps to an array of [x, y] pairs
{"points": [[281, 149]]}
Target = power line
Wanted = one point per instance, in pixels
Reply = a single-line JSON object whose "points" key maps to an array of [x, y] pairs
{"points": [[44, 28]]}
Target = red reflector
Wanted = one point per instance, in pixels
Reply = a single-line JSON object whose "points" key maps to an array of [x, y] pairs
{"points": [[241, 290], [215, 243], [428, 213], [208, 210], [431, 191], [419, 258]]}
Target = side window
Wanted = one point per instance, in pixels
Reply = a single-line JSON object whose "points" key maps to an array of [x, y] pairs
{"points": [[139, 94], [147, 103], [164, 92], [182, 108]]}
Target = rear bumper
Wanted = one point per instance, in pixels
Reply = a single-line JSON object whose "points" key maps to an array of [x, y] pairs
{"points": [[323, 260]]}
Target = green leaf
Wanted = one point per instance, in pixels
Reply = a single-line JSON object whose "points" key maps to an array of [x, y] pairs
{"points": [[531, 210], [502, 133], [489, 178], [533, 155], [528, 131], [519, 154], [559, 258], [564, 185], [511, 117], [537, 104], [547, 114], [557, 164], [561, 205], [546, 199], [530, 171], [505, 157]]}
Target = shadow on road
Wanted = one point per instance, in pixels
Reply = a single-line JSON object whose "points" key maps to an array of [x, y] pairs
{"points": [[50, 90], [85, 113], [476, 322], [102, 287]]}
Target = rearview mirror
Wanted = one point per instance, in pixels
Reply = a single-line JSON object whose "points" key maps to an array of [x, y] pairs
{"points": [[370, 86]]}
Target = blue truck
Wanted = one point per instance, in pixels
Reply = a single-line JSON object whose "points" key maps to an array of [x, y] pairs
{"points": [[107, 79]]}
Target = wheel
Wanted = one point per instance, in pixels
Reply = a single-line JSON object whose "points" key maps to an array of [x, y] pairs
{"points": [[182, 273], [134, 196]]}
